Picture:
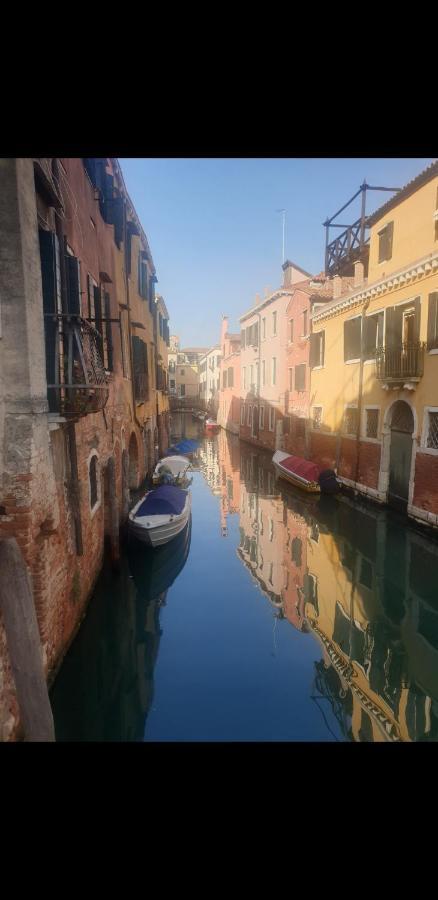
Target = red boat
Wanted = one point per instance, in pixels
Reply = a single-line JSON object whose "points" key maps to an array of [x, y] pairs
{"points": [[211, 425], [304, 474]]}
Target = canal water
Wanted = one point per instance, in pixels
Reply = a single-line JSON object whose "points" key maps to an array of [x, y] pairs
{"points": [[273, 617]]}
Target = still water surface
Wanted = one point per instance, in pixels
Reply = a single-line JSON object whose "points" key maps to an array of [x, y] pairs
{"points": [[275, 617]]}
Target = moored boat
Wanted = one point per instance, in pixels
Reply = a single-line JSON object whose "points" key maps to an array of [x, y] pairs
{"points": [[211, 425], [171, 469], [160, 515], [304, 474]]}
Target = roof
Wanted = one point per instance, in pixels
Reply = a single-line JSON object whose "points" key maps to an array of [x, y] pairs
{"points": [[406, 191], [288, 263]]}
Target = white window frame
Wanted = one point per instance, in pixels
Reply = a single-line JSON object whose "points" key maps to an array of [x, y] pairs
{"points": [[317, 406], [274, 324], [262, 418], [271, 418], [348, 362], [273, 371], [244, 378], [425, 431], [348, 433], [375, 312], [242, 414], [248, 414], [364, 436], [98, 503]]}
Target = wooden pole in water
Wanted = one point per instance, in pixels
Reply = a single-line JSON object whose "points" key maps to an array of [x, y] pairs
{"points": [[113, 513], [24, 645]]}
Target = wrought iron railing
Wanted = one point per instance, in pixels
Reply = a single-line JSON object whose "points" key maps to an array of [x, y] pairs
{"points": [[76, 380], [347, 247], [404, 361]]}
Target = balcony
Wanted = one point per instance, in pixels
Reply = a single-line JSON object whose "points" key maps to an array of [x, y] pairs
{"points": [[76, 380], [400, 364]]}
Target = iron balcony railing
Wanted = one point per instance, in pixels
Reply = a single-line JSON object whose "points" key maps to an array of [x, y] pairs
{"points": [[404, 361], [76, 380]]}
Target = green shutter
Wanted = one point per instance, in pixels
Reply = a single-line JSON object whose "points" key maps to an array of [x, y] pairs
{"points": [[352, 339], [73, 285], [389, 236], [432, 322], [48, 270], [312, 355]]}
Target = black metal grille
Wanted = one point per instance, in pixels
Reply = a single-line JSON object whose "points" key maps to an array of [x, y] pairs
{"points": [[432, 436], [404, 361]]}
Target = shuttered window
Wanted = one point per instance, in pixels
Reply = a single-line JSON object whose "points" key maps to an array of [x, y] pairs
{"points": [[432, 322], [73, 285], [352, 338], [224, 379], [385, 242], [140, 366], [373, 334], [300, 378], [230, 377], [317, 349]]}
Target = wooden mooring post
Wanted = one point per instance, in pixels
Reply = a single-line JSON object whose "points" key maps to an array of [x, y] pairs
{"points": [[24, 645]]}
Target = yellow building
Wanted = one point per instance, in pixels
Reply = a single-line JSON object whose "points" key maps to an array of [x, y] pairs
{"points": [[374, 360], [162, 339]]}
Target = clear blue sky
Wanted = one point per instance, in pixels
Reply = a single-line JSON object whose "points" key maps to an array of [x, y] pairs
{"points": [[215, 235]]}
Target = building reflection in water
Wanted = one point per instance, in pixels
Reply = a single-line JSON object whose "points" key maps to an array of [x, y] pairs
{"points": [[105, 688], [356, 577]]}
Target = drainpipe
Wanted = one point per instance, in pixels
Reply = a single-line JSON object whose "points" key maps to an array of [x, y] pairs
{"points": [[359, 401]]}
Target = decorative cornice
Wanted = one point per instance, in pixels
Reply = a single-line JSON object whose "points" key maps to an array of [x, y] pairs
{"points": [[416, 270]]}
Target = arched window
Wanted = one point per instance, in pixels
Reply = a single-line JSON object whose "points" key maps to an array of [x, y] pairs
{"points": [[93, 481]]}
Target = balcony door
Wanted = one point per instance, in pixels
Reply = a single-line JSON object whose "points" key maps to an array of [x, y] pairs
{"points": [[402, 427]]}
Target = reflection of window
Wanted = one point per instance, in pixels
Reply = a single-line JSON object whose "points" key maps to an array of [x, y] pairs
{"points": [[317, 417], [271, 572], [92, 475], [428, 625], [262, 418], [295, 552], [314, 532], [347, 557], [271, 529], [242, 414], [271, 418]]}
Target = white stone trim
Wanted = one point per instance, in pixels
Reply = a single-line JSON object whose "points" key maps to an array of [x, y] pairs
{"points": [[363, 489], [406, 274], [431, 451], [364, 436], [98, 503]]}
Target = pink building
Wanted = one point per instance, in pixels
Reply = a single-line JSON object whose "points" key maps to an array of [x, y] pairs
{"points": [[263, 370], [229, 391], [305, 296]]}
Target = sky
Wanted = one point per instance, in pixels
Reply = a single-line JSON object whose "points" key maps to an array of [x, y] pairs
{"points": [[216, 236]]}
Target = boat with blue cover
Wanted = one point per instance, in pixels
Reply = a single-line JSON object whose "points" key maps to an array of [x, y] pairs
{"points": [[160, 515]]}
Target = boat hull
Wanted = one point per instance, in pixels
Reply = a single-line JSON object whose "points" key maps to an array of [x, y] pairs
{"points": [[158, 530], [309, 487]]}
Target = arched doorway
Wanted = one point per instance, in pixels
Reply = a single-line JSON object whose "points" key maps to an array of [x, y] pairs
{"points": [[133, 461], [402, 429]]}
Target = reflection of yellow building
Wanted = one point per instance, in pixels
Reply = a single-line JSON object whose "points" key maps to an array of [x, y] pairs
{"points": [[374, 362], [366, 619]]}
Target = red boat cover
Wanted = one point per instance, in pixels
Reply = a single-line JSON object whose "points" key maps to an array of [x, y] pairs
{"points": [[302, 467]]}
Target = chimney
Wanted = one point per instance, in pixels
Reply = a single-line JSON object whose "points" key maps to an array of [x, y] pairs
{"points": [[267, 291], [358, 274], [258, 299], [337, 286]]}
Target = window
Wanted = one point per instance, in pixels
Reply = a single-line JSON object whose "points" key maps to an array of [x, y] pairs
{"points": [[317, 349], [230, 377], [224, 380], [300, 378], [244, 378], [432, 322], [300, 428], [317, 418], [182, 390], [350, 420], [352, 338], [140, 369], [373, 326], [249, 414], [182, 371], [263, 329], [432, 430], [295, 551], [251, 378], [291, 379], [263, 372], [385, 242], [372, 422], [172, 383], [271, 529], [271, 418], [274, 370], [304, 322], [274, 323], [291, 330], [93, 482], [262, 418], [242, 414]]}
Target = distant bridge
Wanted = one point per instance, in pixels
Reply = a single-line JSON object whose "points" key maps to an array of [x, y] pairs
{"points": [[187, 404]]}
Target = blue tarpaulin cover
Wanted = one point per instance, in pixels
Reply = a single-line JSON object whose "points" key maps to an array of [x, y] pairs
{"points": [[183, 447], [166, 500]]}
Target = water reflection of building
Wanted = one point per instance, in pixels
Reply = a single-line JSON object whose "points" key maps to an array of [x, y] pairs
{"points": [[209, 464], [229, 462], [364, 588], [378, 633]]}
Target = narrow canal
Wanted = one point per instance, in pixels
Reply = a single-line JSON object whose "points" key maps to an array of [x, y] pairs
{"points": [[274, 618]]}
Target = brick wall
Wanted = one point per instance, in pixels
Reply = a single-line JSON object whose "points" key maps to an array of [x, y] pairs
{"points": [[426, 482]]}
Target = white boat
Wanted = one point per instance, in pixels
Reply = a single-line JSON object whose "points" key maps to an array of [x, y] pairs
{"points": [[160, 515], [177, 465]]}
